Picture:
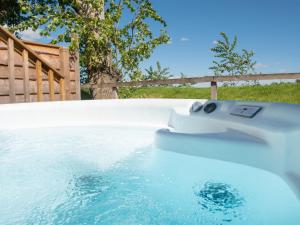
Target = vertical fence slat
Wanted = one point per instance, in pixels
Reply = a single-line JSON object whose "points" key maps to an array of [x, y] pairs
{"points": [[11, 70], [213, 90], [26, 76], [39, 79], [62, 89], [77, 77], [65, 71], [51, 84]]}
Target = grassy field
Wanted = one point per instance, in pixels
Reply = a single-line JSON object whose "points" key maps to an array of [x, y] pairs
{"points": [[283, 92]]}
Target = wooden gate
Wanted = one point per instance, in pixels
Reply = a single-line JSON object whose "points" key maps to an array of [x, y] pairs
{"points": [[31, 72]]}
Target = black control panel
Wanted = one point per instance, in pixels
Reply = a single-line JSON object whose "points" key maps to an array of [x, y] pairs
{"points": [[245, 111]]}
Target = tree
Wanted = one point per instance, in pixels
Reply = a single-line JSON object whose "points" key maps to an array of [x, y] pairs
{"points": [[111, 45], [157, 74], [231, 63], [10, 12]]}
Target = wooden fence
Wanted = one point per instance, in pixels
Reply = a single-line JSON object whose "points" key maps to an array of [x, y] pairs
{"points": [[213, 80], [32, 71]]}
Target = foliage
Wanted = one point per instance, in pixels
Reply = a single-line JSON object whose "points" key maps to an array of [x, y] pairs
{"points": [[231, 63], [158, 73], [127, 92], [137, 75], [86, 94], [277, 92], [109, 42], [10, 12]]}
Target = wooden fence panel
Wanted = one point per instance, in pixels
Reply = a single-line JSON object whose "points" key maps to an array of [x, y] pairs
{"points": [[25, 71]]}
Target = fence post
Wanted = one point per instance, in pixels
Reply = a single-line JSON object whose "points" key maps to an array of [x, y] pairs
{"points": [[65, 71], [213, 90]]}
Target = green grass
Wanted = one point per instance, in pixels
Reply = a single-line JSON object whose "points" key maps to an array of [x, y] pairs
{"points": [[282, 92]]}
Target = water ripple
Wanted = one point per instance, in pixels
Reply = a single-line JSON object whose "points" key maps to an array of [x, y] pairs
{"points": [[217, 197]]}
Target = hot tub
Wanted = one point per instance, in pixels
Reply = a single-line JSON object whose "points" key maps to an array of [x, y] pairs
{"points": [[150, 162]]}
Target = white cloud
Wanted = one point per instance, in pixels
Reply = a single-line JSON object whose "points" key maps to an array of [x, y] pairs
{"points": [[215, 42], [283, 71], [31, 35], [184, 39], [261, 66]]}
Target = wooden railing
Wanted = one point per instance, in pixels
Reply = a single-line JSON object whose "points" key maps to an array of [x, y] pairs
{"points": [[213, 80], [29, 58]]}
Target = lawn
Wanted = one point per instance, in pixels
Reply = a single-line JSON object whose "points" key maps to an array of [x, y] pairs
{"points": [[281, 92]]}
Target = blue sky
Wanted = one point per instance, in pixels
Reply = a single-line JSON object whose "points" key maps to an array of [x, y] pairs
{"points": [[269, 27]]}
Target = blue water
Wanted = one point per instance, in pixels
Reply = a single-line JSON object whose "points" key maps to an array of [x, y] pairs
{"points": [[94, 175]]}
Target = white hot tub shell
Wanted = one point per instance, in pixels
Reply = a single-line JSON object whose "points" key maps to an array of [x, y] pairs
{"points": [[268, 139]]}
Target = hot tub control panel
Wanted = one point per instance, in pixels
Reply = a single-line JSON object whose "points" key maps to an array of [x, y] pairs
{"points": [[245, 111]]}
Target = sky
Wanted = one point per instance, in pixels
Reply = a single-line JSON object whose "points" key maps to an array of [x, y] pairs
{"points": [[271, 28]]}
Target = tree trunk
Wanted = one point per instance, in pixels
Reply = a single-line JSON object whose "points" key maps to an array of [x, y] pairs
{"points": [[103, 92]]}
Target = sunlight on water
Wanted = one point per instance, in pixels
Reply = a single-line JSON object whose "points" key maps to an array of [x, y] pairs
{"points": [[94, 175]]}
